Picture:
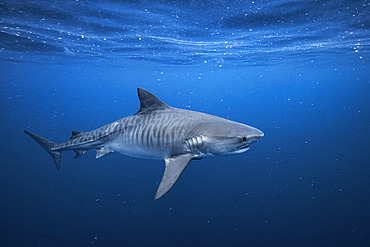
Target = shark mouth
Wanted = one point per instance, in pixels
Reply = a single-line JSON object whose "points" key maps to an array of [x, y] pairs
{"points": [[241, 149], [246, 146]]}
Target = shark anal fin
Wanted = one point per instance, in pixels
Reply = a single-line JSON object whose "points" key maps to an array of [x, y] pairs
{"points": [[174, 168], [79, 153], [103, 151]]}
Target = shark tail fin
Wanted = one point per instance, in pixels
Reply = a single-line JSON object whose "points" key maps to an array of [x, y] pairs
{"points": [[47, 145]]}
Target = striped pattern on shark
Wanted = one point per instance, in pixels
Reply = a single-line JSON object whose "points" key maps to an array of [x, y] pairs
{"points": [[158, 131]]}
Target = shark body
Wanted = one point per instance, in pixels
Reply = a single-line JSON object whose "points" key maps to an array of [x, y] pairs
{"points": [[158, 131]]}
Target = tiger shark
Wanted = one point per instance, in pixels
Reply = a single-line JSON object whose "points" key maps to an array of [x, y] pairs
{"points": [[159, 131]]}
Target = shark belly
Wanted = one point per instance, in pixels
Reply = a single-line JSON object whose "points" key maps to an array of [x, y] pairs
{"points": [[138, 151]]}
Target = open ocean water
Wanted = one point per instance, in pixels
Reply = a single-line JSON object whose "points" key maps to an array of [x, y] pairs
{"points": [[297, 70]]}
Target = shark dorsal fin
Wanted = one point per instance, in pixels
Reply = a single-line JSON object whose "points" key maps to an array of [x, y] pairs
{"points": [[148, 101]]}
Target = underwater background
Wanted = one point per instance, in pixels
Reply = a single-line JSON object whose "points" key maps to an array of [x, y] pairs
{"points": [[297, 70]]}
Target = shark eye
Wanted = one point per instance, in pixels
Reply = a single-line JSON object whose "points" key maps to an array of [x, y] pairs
{"points": [[244, 138]]}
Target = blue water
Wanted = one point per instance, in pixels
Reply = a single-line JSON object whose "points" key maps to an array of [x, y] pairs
{"points": [[297, 70]]}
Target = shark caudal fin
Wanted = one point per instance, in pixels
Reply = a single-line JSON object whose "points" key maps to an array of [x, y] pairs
{"points": [[47, 145]]}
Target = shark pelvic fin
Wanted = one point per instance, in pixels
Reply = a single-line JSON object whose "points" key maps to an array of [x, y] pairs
{"points": [[103, 151], [174, 168], [148, 101], [47, 145]]}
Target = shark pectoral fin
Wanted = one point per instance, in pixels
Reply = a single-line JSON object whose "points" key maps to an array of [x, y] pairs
{"points": [[103, 151], [174, 168]]}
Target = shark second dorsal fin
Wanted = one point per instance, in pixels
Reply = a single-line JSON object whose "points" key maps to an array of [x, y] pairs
{"points": [[148, 101], [75, 134]]}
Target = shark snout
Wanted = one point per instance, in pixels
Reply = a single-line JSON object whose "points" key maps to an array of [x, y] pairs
{"points": [[255, 136]]}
